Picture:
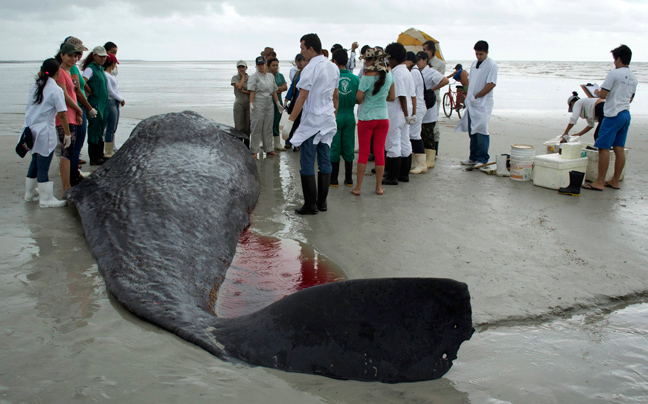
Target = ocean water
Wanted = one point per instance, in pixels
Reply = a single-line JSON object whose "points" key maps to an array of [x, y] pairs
{"points": [[530, 86]]}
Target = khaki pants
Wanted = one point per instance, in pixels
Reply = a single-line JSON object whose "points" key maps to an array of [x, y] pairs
{"points": [[242, 117], [261, 121]]}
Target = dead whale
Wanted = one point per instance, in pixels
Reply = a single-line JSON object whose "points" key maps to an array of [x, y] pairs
{"points": [[162, 218]]}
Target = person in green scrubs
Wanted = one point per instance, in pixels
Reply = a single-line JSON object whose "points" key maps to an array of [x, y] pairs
{"points": [[344, 139]]}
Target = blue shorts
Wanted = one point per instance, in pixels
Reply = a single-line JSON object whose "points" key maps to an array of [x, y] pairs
{"points": [[614, 131]]}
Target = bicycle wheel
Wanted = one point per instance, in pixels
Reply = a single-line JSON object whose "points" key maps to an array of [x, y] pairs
{"points": [[460, 110], [447, 105]]}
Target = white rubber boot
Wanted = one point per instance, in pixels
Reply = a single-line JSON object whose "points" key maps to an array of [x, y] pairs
{"points": [[277, 144], [47, 200], [430, 158], [109, 149], [31, 192], [502, 171], [421, 164]]}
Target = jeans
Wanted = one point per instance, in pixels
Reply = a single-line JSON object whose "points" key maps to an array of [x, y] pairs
{"points": [[112, 121], [307, 157], [479, 144], [78, 145], [39, 167]]}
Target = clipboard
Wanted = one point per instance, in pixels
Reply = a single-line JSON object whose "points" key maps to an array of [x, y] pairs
{"points": [[589, 88]]}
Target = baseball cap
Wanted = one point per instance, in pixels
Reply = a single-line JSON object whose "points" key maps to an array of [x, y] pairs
{"points": [[112, 58], [422, 55], [260, 60], [573, 98], [299, 56], [99, 51], [241, 63], [69, 49], [76, 42]]}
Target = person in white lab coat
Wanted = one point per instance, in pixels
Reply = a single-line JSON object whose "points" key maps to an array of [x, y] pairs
{"points": [[479, 105], [318, 99]]}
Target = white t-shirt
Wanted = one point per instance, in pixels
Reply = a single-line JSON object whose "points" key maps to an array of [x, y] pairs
{"points": [[584, 108], [292, 72], [320, 78], [432, 78], [417, 78], [113, 91], [622, 85], [40, 117], [87, 73], [403, 87]]}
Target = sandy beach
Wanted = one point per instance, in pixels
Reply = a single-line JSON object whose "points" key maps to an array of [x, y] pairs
{"points": [[530, 257]]}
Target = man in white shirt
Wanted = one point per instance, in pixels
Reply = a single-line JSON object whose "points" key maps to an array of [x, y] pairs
{"points": [[401, 114], [440, 66], [433, 80], [318, 96], [479, 106], [351, 63], [618, 91]]}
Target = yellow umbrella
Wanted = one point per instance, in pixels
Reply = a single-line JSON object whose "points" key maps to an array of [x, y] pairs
{"points": [[413, 40]]}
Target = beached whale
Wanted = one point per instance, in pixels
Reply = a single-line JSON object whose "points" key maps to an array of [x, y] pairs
{"points": [[163, 217]]}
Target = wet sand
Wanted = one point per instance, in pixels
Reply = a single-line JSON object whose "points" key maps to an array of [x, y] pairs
{"points": [[531, 258]]}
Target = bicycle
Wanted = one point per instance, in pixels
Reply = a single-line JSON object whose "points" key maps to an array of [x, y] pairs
{"points": [[454, 101]]}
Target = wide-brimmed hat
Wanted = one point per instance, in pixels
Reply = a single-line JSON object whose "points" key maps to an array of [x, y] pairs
{"points": [[100, 51], [241, 63], [76, 42]]}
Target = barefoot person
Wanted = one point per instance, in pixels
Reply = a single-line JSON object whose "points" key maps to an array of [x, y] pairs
{"points": [[318, 98], [376, 88], [618, 91]]}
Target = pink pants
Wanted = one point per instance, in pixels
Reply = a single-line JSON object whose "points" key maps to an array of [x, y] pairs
{"points": [[378, 129]]}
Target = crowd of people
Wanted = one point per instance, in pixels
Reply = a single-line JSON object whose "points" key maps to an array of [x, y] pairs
{"points": [[67, 104], [396, 94]]}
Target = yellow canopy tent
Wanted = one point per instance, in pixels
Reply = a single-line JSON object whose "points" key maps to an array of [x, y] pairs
{"points": [[413, 40]]}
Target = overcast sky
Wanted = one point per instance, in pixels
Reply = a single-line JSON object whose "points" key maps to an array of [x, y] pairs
{"points": [[580, 30]]}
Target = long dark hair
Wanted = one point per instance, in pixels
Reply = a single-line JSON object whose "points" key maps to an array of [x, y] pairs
{"points": [[48, 69], [380, 82], [86, 62]]}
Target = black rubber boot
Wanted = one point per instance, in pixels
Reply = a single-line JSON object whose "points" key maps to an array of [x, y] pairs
{"points": [[309, 188], [95, 156], [334, 173], [392, 166], [323, 181], [436, 147], [575, 182], [348, 173], [405, 167]]}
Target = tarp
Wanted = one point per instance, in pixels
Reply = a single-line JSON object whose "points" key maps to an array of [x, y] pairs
{"points": [[413, 40]]}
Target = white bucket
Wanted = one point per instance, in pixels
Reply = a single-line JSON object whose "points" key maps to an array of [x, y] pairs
{"points": [[522, 156]]}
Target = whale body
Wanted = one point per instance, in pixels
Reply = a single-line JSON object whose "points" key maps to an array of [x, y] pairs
{"points": [[162, 218]]}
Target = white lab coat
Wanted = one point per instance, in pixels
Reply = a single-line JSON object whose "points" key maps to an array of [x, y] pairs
{"points": [[479, 109], [40, 117], [320, 78]]}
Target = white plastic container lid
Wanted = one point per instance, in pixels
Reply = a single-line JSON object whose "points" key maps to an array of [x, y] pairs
{"points": [[556, 161]]}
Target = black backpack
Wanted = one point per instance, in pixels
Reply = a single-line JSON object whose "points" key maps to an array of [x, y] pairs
{"points": [[428, 95]]}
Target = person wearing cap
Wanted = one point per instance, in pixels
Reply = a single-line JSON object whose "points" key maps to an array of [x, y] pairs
{"points": [[433, 80], [351, 63], [111, 49], [93, 73], [81, 86], [115, 100], [318, 99], [299, 64], [589, 109], [479, 107], [66, 58], [241, 100], [344, 140], [282, 86], [440, 66], [263, 97], [461, 76]]}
